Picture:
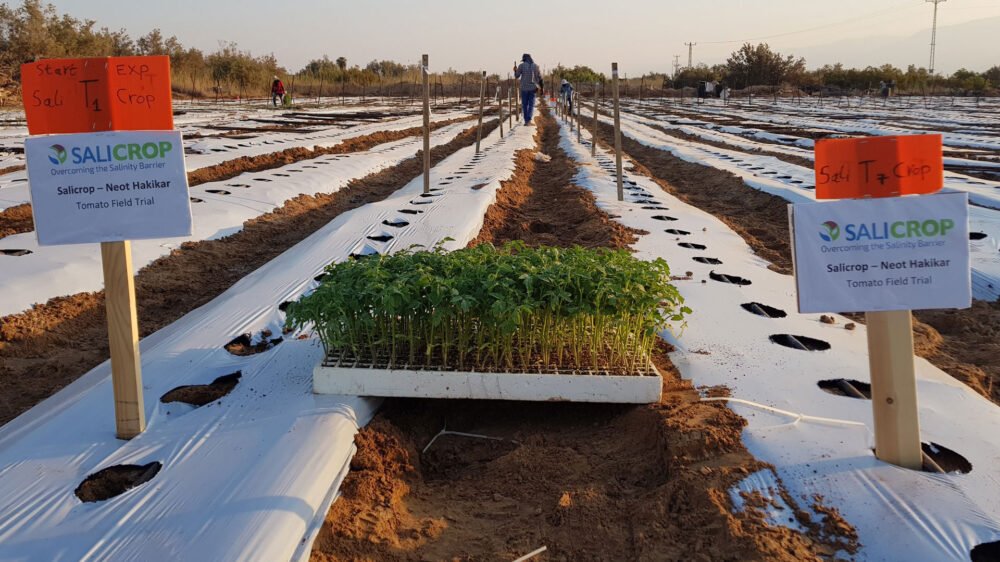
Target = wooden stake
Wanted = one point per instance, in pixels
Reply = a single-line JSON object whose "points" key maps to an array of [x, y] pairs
{"points": [[579, 124], [618, 131], [894, 388], [123, 338], [510, 112], [482, 102], [517, 99], [427, 127], [593, 130], [500, 107]]}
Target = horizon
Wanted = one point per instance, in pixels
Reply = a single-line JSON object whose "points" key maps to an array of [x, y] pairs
{"points": [[799, 29]]}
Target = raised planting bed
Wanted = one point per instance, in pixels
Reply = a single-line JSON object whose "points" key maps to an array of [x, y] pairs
{"points": [[515, 323]]}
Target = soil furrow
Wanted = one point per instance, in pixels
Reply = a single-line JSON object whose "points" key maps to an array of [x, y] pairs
{"points": [[49, 346], [12, 220], [588, 481], [962, 343]]}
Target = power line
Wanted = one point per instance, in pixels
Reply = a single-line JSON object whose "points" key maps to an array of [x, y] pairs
{"points": [[817, 28]]}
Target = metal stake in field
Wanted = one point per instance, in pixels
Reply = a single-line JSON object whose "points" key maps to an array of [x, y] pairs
{"points": [[427, 126], [482, 102], [618, 131], [593, 129]]}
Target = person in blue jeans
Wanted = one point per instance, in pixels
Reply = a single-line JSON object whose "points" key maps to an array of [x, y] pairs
{"points": [[531, 82], [566, 91]]}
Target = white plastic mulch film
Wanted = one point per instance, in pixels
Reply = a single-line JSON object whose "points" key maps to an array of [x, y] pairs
{"points": [[820, 443], [251, 475]]}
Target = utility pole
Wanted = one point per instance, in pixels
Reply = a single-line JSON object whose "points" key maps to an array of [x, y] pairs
{"points": [[677, 64], [691, 49], [933, 35]]}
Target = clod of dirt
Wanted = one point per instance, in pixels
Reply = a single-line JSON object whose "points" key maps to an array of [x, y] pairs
{"points": [[986, 552], [242, 345], [115, 480], [201, 394], [541, 157], [850, 326], [826, 319], [764, 310], [804, 343]]}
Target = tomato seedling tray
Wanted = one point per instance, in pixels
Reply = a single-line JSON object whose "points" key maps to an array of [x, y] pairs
{"points": [[338, 376]]}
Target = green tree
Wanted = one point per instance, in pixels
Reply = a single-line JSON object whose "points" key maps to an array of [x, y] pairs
{"points": [[753, 65]]}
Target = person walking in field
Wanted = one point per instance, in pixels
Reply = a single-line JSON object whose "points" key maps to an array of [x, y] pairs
{"points": [[566, 91], [531, 82], [277, 91]]}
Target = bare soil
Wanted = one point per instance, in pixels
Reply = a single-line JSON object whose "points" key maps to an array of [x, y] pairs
{"points": [[962, 343], [15, 220], [115, 480], [587, 481], [49, 346]]}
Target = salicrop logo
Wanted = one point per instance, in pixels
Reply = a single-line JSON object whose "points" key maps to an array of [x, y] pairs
{"points": [[832, 231], [59, 154]]}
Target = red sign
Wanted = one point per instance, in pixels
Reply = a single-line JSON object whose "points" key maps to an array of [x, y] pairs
{"points": [[878, 166], [97, 94]]}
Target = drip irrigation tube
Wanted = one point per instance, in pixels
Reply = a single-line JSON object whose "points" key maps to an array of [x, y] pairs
{"points": [[850, 390]]}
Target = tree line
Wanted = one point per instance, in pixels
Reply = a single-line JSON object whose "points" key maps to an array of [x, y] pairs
{"points": [[759, 65], [35, 30]]}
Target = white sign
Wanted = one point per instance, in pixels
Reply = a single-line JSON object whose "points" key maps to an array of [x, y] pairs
{"points": [[106, 187], [896, 253]]}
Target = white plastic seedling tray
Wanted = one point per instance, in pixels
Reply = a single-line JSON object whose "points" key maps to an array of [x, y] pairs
{"points": [[331, 377]]}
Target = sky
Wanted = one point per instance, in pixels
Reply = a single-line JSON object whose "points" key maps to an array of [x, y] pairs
{"points": [[642, 35]]}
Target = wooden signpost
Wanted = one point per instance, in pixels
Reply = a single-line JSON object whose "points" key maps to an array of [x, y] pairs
{"points": [[878, 166], [97, 94], [875, 168], [86, 98], [427, 125], [618, 131]]}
